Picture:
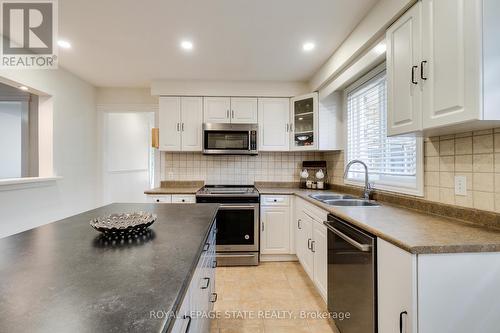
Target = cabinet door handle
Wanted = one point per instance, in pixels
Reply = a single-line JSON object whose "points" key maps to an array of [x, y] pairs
{"points": [[214, 264], [182, 127], [298, 224], [188, 324], [422, 69], [208, 283], [413, 74], [232, 114], [177, 127], [206, 247], [227, 113], [287, 127], [262, 225], [313, 249], [401, 320], [213, 298], [309, 243]]}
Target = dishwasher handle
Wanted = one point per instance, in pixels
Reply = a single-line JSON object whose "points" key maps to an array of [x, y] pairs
{"points": [[358, 245]]}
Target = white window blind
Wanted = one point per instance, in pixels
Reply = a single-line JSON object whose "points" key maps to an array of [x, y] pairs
{"points": [[391, 161]]}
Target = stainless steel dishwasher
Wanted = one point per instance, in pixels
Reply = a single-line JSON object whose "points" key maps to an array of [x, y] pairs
{"points": [[352, 277]]}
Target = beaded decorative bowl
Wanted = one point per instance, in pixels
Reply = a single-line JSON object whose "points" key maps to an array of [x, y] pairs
{"points": [[125, 223]]}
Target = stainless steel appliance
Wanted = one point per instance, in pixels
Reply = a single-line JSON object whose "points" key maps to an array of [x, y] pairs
{"points": [[237, 223], [230, 139], [352, 277]]}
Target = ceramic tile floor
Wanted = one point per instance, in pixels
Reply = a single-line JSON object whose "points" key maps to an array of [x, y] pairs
{"points": [[250, 298]]}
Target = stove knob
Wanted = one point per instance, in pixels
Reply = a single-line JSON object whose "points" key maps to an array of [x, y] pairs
{"points": [[247, 237]]}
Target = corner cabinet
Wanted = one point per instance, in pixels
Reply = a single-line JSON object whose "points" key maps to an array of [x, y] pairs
{"points": [[441, 65], [304, 122], [234, 110], [274, 124], [180, 123]]}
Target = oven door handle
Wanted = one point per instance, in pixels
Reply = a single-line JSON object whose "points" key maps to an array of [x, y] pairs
{"points": [[236, 207], [359, 246]]}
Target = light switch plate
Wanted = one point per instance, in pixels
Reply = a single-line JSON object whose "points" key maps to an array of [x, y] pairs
{"points": [[460, 185]]}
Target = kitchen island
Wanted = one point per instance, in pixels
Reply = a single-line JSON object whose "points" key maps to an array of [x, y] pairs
{"points": [[66, 277]]}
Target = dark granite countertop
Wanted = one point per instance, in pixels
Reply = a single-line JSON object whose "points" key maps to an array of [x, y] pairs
{"points": [[62, 277]]}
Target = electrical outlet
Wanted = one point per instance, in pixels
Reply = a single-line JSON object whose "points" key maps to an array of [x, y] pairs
{"points": [[460, 185]]}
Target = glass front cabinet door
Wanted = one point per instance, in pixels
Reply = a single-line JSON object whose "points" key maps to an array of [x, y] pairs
{"points": [[304, 127]]}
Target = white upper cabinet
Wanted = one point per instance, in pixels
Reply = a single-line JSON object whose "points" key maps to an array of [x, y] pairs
{"points": [[180, 123], [403, 77], [170, 123], [236, 110], [191, 125], [451, 61], [442, 67], [274, 124], [243, 110], [217, 110], [304, 122]]}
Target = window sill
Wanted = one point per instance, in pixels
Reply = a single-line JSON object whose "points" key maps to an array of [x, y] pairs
{"points": [[28, 182], [418, 192]]}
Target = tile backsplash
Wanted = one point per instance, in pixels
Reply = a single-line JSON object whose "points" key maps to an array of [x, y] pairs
{"points": [[214, 169], [474, 155]]}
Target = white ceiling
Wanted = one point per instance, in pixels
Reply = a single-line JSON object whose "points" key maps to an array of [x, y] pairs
{"points": [[128, 43]]}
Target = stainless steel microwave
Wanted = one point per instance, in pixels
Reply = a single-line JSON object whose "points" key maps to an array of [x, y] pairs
{"points": [[230, 139]]}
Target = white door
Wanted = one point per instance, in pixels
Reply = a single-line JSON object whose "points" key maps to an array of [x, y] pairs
{"points": [[403, 73], [191, 123], [243, 110], [305, 240], [275, 230], [304, 122], [274, 124], [320, 250], [217, 109], [127, 156], [452, 55], [170, 123], [397, 275]]}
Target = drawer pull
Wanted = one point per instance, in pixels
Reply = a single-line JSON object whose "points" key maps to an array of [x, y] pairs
{"points": [[298, 224], [208, 283], [214, 264], [309, 243], [206, 247], [213, 298], [188, 324]]}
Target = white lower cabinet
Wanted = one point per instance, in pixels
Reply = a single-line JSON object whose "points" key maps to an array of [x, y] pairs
{"points": [[311, 243], [181, 198], [275, 225], [172, 198], [160, 198], [200, 296], [396, 289], [429, 293]]}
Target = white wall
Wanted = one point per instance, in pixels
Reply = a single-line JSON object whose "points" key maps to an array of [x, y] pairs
{"points": [[74, 151], [371, 28], [228, 88]]}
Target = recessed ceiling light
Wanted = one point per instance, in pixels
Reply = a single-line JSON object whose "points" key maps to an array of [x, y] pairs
{"points": [[64, 44], [380, 48], [187, 45], [24, 88], [309, 46]]}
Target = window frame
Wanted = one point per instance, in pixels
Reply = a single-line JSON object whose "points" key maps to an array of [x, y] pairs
{"points": [[390, 185]]}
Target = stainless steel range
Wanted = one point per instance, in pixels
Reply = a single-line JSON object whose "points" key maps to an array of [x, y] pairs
{"points": [[237, 223]]}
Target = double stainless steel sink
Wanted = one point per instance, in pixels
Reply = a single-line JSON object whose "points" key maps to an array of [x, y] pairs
{"points": [[334, 199]]}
